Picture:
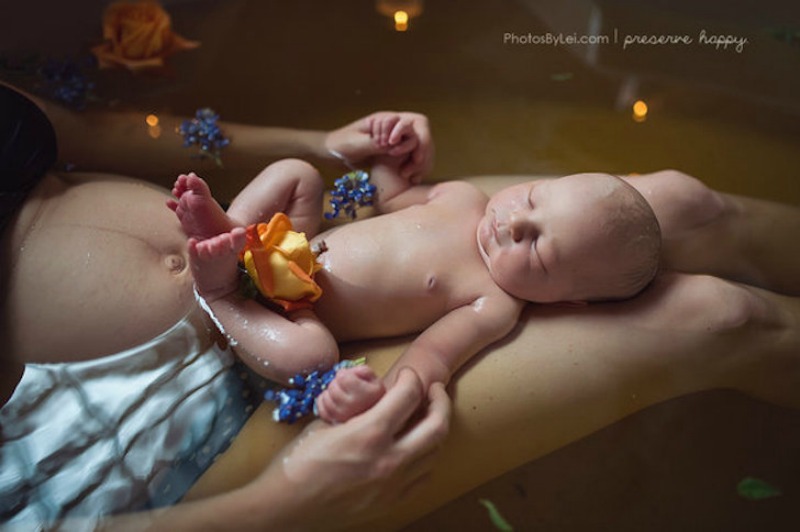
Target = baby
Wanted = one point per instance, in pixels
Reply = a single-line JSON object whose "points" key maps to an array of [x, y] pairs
{"points": [[445, 260]]}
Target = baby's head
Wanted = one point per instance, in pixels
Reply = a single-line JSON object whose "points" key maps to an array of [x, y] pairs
{"points": [[583, 237]]}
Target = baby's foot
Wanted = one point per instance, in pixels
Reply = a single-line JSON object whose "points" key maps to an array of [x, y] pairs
{"points": [[353, 391], [200, 215], [214, 263]]}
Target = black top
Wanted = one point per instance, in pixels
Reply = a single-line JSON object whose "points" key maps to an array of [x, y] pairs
{"points": [[27, 150]]}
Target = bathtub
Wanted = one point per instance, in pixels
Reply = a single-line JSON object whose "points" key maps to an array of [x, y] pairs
{"points": [[530, 106]]}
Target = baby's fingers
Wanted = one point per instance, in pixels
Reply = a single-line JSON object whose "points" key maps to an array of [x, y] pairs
{"points": [[408, 144], [403, 129], [383, 127]]}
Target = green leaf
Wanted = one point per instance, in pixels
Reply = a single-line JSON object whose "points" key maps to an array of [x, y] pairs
{"points": [[494, 514], [756, 489], [561, 76]]}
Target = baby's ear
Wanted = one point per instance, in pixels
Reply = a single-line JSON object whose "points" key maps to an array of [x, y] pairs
{"points": [[570, 304]]}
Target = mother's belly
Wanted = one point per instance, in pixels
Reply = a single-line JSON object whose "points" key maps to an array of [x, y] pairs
{"points": [[102, 268]]}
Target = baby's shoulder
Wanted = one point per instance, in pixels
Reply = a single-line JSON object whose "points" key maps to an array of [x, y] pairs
{"points": [[498, 310], [457, 191]]}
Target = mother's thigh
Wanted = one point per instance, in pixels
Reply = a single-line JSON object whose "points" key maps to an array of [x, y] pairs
{"points": [[562, 374], [565, 373]]}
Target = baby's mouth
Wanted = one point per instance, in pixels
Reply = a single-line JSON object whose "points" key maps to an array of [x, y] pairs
{"points": [[485, 234], [496, 231], [499, 231]]}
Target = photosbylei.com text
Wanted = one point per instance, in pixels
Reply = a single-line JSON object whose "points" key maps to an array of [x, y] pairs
{"points": [[629, 40]]}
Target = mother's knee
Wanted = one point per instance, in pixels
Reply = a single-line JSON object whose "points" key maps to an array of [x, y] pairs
{"points": [[698, 202], [711, 305], [736, 306]]}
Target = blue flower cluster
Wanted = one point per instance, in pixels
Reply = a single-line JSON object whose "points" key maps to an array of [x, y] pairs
{"points": [[62, 80], [297, 401], [65, 82], [202, 131], [351, 191]]}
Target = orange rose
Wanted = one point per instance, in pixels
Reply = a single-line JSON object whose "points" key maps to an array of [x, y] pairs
{"points": [[138, 35], [281, 263]]}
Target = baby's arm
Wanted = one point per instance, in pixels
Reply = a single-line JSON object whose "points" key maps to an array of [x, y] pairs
{"points": [[382, 132], [291, 186], [406, 136], [435, 355], [393, 192], [275, 345]]}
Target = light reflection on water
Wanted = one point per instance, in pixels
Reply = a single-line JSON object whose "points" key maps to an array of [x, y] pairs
{"points": [[729, 118]]}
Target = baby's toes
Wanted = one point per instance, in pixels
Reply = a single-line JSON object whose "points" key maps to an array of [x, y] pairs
{"points": [[238, 238], [179, 188]]}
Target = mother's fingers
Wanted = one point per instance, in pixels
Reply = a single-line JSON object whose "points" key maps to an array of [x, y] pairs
{"points": [[434, 426], [417, 450], [396, 407], [420, 163]]}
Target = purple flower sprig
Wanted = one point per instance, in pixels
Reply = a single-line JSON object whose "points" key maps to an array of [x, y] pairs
{"points": [[297, 401], [351, 191], [202, 131]]}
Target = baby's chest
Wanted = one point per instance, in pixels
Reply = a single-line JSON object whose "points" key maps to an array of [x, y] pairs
{"points": [[411, 256], [395, 280]]}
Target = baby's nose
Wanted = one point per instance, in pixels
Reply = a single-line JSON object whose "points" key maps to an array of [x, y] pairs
{"points": [[520, 226]]}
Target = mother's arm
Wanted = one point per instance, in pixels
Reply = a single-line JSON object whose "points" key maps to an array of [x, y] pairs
{"points": [[122, 142], [329, 477]]}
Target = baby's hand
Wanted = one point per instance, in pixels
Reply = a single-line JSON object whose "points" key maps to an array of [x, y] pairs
{"points": [[404, 136], [388, 133], [353, 391], [393, 131]]}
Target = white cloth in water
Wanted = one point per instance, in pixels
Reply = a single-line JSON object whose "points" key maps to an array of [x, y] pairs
{"points": [[126, 432]]}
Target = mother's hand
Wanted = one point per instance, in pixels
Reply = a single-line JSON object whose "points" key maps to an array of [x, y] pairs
{"points": [[387, 132], [338, 475]]}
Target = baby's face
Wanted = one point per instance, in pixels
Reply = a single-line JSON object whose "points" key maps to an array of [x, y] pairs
{"points": [[543, 240]]}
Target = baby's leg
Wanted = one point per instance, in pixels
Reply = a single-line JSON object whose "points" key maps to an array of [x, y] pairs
{"points": [[276, 346], [353, 391], [291, 186], [200, 215], [743, 239], [214, 264]]}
